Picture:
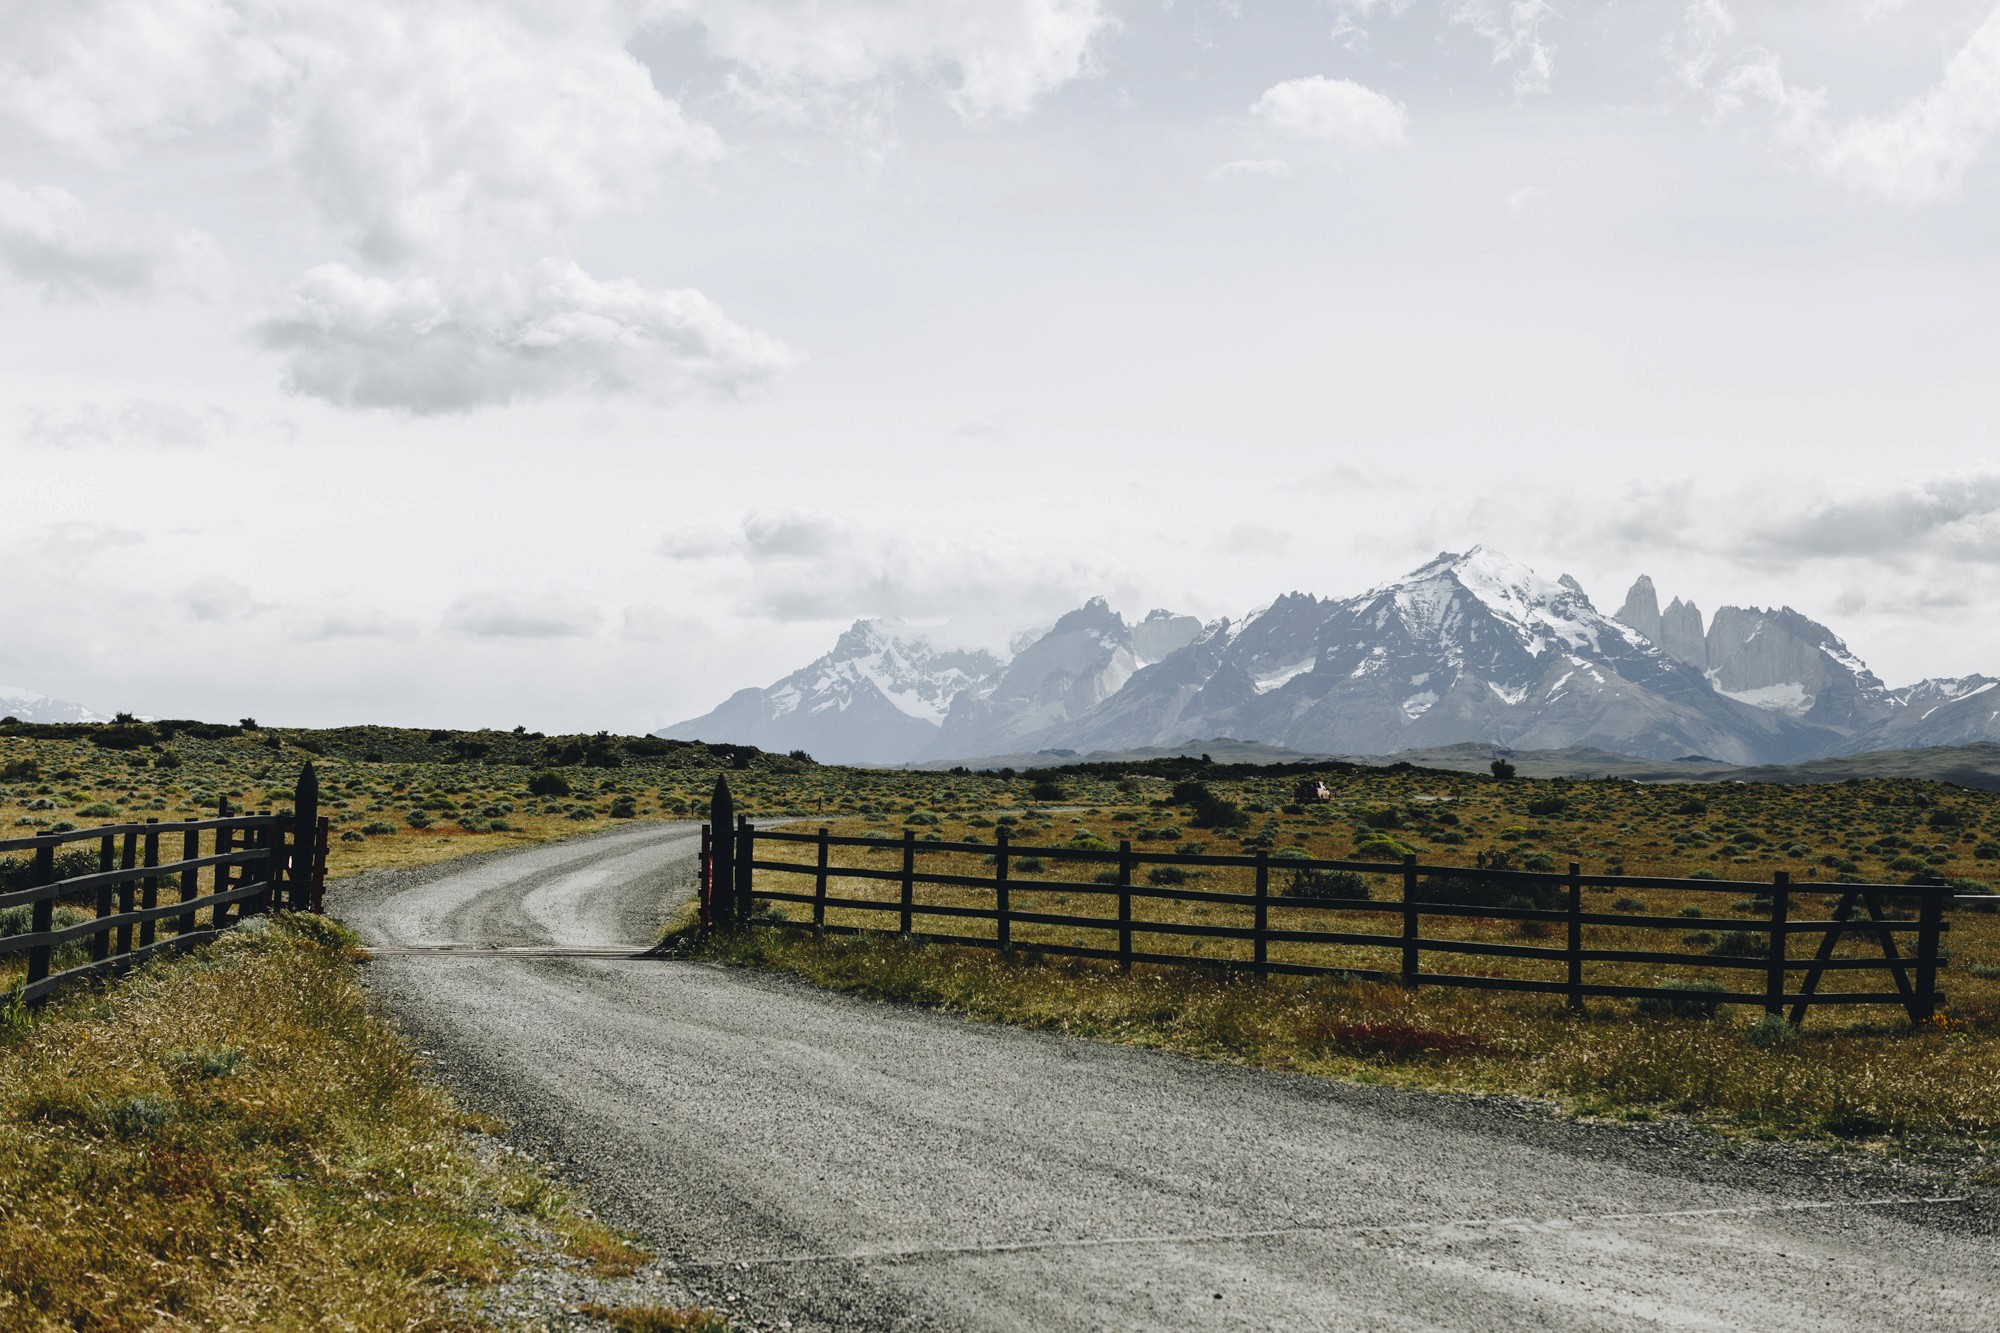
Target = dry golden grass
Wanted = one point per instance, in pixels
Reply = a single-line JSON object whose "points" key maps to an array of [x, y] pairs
{"points": [[1941, 1083], [231, 1140], [1853, 1071]]}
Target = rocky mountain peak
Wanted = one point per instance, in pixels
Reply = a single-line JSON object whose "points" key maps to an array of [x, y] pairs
{"points": [[1642, 608]]}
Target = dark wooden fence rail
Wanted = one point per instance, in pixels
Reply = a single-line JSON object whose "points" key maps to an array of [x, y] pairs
{"points": [[731, 891], [254, 863]]}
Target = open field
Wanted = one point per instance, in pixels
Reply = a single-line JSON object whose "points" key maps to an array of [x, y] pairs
{"points": [[1852, 1072]]}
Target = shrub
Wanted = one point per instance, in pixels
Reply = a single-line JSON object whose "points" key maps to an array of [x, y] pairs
{"points": [[1548, 805], [1218, 812], [417, 819], [1166, 875], [1502, 770], [624, 807], [1379, 847], [1469, 888], [1047, 789], [377, 828], [1348, 885], [1740, 944], [1696, 1000], [1387, 817], [548, 784]]}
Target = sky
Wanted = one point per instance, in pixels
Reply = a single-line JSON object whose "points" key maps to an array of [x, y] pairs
{"points": [[573, 366]]}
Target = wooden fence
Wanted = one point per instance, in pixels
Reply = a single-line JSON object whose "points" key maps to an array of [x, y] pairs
{"points": [[1273, 930], [253, 863]]}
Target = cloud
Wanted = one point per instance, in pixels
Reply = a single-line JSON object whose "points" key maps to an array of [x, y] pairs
{"points": [[137, 423], [1254, 539], [1334, 113], [1914, 155], [550, 613], [352, 623], [51, 242], [421, 126], [654, 624], [699, 544], [218, 600], [70, 542], [769, 534], [1953, 514], [1250, 167], [1514, 29], [1001, 56], [805, 565], [453, 343], [1530, 203]]}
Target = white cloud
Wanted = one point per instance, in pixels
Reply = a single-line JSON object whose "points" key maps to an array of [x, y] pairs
{"points": [[351, 623], [219, 600], [1335, 113], [99, 77], [1254, 539], [421, 126], [1250, 167], [1919, 153], [137, 423], [1914, 155], [1514, 28], [805, 565], [51, 242], [1003, 56], [548, 613], [1529, 203], [454, 343]]}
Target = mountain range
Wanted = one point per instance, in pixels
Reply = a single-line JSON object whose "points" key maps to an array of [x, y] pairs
{"points": [[1473, 647], [28, 706]]}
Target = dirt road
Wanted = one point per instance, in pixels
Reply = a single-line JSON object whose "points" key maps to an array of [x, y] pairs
{"points": [[818, 1162]]}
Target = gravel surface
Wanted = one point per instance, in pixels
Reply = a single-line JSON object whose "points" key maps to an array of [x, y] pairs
{"points": [[813, 1161]]}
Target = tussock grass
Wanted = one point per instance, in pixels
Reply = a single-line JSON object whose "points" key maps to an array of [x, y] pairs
{"points": [[1941, 1083], [232, 1140]]}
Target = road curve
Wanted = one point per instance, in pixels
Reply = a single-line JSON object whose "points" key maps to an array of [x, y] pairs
{"points": [[819, 1162]]}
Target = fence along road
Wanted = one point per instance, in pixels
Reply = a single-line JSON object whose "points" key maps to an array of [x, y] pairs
{"points": [[846, 1165]]}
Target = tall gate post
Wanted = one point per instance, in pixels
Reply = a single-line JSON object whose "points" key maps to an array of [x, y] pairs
{"points": [[746, 852], [305, 840], [722, 819]]}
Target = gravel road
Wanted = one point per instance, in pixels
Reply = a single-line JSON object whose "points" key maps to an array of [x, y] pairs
{"points": [[816, 1162]]}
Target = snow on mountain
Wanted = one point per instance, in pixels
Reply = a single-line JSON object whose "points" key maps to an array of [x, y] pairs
{"points": [[27, 706], [878, 697], [1086, 658], [1472, 647]]}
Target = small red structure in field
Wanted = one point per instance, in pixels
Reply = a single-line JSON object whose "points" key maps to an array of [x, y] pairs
{"points": [[1310, 790]]}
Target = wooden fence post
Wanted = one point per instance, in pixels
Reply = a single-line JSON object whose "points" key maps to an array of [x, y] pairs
{"points": [[1410, 963], [1004, 925], [42, 918], [704, 889], [1930, 925], [1575, 936], [305, 838], [909, 877], [1774, 974], [819, 881], [1261, 920], [128, 891], [225, 843], [1124, 904], [722, 820], [107, 861], [746, 852], [149, 890], [190, 880]]}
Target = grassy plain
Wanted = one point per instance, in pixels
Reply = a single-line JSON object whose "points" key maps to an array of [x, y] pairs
{"points": [[233, 1139], [1851, 1072]]}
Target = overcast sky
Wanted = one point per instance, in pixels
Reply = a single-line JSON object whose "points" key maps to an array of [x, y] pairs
{"points": [[479, 364]]}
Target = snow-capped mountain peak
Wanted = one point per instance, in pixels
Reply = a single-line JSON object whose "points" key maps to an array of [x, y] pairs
{"points": [[30, 706]]}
